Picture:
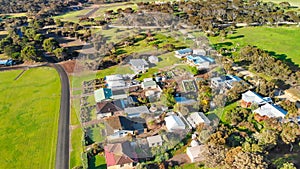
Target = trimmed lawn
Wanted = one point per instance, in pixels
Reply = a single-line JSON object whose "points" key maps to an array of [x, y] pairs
{"points": [[292, 2], [281, 40], [98, 162], [73, 15], [76, 141], [29, 111]]}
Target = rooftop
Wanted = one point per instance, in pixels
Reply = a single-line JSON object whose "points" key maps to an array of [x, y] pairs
{"points": [[184, 51], [197, 59], [136, 111], [138, 62], [252, 97], [270, 110], [106, 107], [154, 139], [102, 94]]}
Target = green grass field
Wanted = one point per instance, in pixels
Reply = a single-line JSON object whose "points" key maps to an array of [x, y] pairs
{"points": [[281, 40], [292, 2], [29, 111], [73, 15], [76, 141]]}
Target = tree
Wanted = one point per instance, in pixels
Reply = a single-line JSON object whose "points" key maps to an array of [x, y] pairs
{"points": [[38, 38], [288, 165], [167, 98], [59, 53], [194, 70], [214, 156], [249, 161], [267, 138], [29, 53], [50, 44], [184, 110], [290, 133], [30, 33]]}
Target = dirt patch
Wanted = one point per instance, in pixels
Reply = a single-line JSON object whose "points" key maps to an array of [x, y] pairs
{"points": [[71, 66]]}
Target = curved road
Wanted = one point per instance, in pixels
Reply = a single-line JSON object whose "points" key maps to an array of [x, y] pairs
{"points": [[62, 147]]}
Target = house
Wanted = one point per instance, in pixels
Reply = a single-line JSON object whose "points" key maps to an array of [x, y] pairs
{"points": [[250, 97], [154, 141], [119, 126], [119, 94], [224, 81], [136, 111], [114, 77], [201, 52], [116, 84], [153, 59], [139, 65], [106, 109], [183, 53], [174, 123], [270, 110], [195, 153], [115, 81], [120, 156], [201, 62], [197, 118], [102, 94], [148, 83]]}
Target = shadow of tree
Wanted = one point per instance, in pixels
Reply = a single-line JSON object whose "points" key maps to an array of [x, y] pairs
{"points": [[92, 164], [283, 57], [236, 37]]}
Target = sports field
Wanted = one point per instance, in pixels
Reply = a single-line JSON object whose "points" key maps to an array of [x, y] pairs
{"points": [[282, 42], [29, 111]]}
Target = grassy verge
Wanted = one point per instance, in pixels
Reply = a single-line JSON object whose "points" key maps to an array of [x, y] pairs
{"points": [[29, 110], [75, 157]]}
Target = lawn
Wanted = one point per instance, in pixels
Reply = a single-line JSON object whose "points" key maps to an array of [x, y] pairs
{"points": [[282, 42], [292, 2], [77, 148], [73, 15], [29, 111]]}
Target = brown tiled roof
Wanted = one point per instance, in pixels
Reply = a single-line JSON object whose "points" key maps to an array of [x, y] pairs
{"points": [[106, 107], [119, 153], [112, 123]]}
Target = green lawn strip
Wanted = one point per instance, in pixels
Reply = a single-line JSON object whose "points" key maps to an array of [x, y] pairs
{"points": [[292, 2], [29, 110], [101, 11], [281, 40], [73, 15], [77, 148]]}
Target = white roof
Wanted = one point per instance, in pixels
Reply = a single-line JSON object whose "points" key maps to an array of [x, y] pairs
{"points": [[194, 143], [174, 122], [154, 139], [196, 151], [270, 110], [114, 77], [112, 84], [199, 117], [252, 97]]}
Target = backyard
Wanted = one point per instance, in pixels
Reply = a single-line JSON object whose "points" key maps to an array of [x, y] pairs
{"points": [[29, 126]]}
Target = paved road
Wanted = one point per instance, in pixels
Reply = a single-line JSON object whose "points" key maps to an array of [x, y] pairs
{"points": [[62, 147]]}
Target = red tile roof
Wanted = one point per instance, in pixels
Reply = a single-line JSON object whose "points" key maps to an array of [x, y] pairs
{"points": [[119, 153]]}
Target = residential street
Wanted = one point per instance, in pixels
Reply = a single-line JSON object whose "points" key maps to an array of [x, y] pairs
{"points": [[62, 147]]}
